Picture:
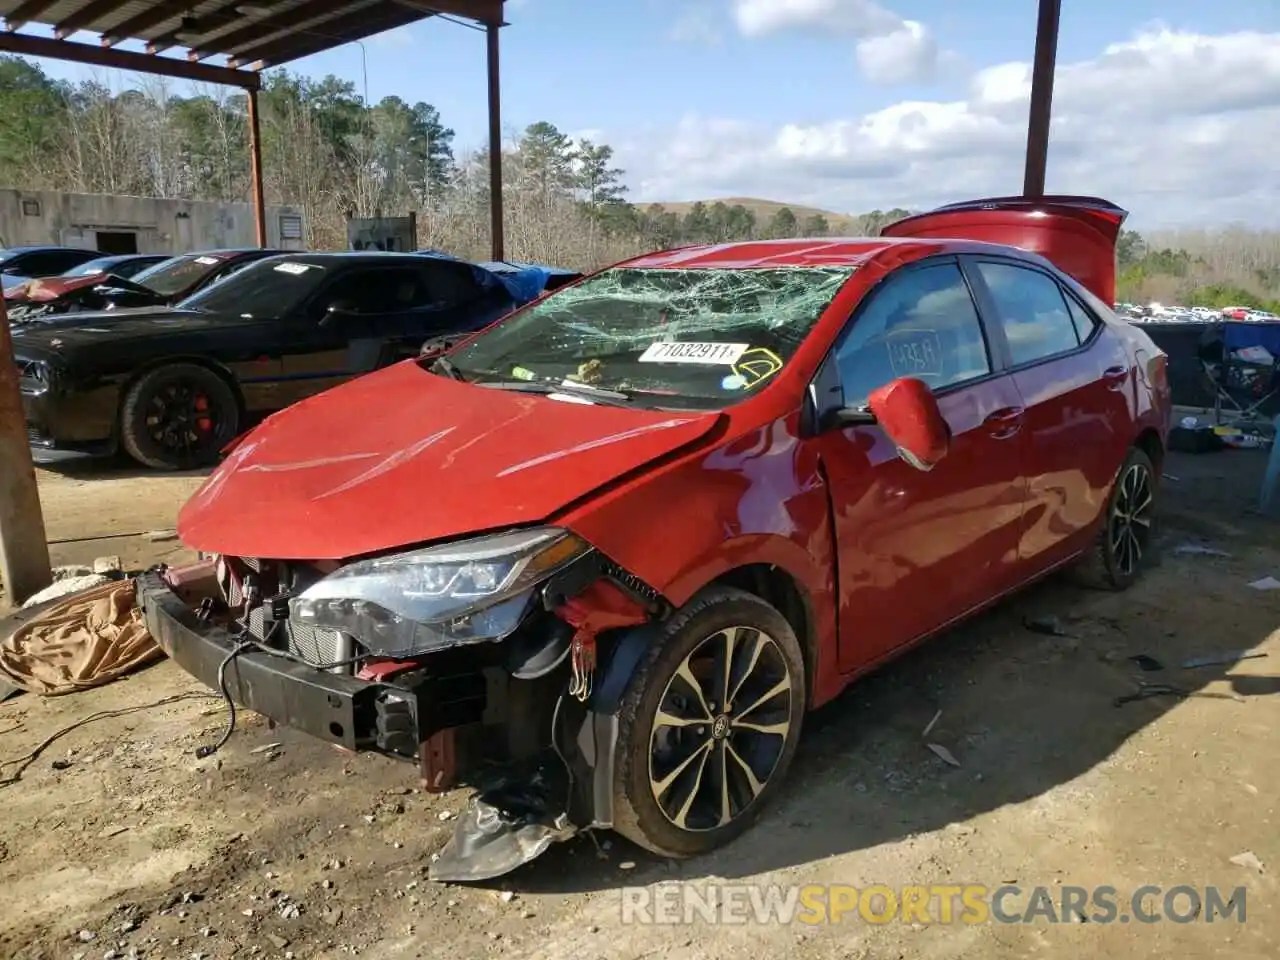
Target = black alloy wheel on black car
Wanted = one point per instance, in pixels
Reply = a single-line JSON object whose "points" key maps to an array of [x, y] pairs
{"points": [[709, 724], [178, 417]]}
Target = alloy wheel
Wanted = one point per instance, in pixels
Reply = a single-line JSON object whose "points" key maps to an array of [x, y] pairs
{"points": [[720, 728], [182, 420], [1129, 526]]}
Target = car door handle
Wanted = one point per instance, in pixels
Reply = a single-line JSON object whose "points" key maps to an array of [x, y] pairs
{"points": [[1115, 376], [1005, 422]]}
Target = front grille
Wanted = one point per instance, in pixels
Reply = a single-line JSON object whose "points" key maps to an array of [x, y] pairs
{"points": [[318, 646], [315, 645]]}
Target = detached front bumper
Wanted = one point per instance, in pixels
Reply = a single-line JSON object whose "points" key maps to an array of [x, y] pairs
{"points": [[391, 718]]}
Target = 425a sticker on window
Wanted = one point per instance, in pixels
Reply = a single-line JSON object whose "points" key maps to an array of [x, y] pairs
{"points": [[720, 354]]}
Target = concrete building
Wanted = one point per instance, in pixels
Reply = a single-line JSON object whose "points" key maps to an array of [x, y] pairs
{"points": [[138, 224]]}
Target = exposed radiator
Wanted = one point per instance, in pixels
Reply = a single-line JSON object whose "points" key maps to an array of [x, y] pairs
{"points": [[315, 645]]}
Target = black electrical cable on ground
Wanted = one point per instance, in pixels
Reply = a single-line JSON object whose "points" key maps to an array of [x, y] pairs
{"points": [[209, 749], [25, 761]]}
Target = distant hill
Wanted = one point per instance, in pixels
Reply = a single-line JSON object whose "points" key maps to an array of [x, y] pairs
{"points": [[841, 223]]}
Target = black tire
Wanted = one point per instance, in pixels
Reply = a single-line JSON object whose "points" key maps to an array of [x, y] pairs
{"points": [[178, 417], [1111, 563], [695, 631]]}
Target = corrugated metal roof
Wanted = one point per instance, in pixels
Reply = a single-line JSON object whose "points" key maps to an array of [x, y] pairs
{"points": [[232, 33]]}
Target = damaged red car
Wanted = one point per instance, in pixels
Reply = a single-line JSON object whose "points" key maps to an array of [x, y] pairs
{"points": [[600, 559]]}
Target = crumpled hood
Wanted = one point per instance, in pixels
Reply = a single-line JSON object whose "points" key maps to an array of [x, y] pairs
{"points": [[51, 288], [403, 456]]}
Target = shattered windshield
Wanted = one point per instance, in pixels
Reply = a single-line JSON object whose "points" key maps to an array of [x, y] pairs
{"points": [[701, 338]]}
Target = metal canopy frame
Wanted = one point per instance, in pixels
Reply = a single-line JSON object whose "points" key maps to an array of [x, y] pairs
{"points": [[272, 32], [247, 37], [227, 42]]}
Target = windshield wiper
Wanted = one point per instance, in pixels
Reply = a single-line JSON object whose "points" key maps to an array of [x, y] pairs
{"points": [[443, 364], [611, 398]]}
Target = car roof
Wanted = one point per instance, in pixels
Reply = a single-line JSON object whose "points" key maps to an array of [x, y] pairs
{"points": [[47, 248], [355, 256], [224, 252], [813, 252]]}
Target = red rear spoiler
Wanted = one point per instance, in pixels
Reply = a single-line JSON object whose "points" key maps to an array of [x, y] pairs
{"points": [[1076, 234]]}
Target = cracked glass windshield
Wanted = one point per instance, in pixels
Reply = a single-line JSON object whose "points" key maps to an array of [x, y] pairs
{"points": [[703, 338]]}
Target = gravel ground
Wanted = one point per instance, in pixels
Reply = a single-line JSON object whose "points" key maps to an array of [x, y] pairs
{"points": [[117, 842]]}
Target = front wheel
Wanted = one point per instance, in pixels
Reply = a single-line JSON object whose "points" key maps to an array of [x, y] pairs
{"points": [[178, 417], [709, 725]]}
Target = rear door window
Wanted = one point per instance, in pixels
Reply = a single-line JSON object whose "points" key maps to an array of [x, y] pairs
{"points": [[1032, 310], [449, 284], [1083, 320]]}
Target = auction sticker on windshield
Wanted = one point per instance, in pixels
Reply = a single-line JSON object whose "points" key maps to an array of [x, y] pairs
{"points": [[206, 261], [725, 354], [294, 268]]}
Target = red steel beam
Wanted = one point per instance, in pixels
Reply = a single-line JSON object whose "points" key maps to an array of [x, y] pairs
{"points": [[30, 46]]}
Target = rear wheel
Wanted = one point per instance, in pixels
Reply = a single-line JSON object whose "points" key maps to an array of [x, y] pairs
{"points": [[1126, 543], [178, 417], [709, 725]]}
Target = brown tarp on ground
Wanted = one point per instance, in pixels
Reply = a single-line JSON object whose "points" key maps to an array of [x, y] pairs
{"points": [[83, 640]]}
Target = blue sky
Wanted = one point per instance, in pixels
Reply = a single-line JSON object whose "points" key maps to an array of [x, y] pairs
{"points": [[675, 85]]}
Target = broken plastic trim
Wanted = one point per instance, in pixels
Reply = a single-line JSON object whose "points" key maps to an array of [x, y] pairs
{"points": [[504, 827], [517, 818]]}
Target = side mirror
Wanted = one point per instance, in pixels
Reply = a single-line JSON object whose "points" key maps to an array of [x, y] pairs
{"points": [[908, 412]]}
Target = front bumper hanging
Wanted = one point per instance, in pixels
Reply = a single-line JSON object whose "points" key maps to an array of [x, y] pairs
{"points": [[357, 714]]}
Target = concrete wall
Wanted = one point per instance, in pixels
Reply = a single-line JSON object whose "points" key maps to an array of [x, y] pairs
{"points": [[31, 217]]}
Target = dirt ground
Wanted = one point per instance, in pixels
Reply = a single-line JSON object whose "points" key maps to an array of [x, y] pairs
{"points": [[116, 842]]}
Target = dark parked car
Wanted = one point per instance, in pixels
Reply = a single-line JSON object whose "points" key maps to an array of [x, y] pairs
{"points": [[80, 288], [179, 277], [20, 264], [173, 385], [626, 538]]}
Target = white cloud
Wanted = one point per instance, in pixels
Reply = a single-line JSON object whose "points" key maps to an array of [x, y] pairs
{"points": [[889, 49], [697, 25], [1172, 125], [397, 37]]}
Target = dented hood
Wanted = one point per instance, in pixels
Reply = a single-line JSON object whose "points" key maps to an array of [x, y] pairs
{"points": [[403, 456]]}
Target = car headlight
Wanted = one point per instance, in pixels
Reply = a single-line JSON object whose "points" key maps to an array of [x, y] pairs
{"points": [[457, 593]]}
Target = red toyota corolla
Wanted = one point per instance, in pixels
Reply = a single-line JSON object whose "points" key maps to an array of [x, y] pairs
{"points": [[600, 559]]}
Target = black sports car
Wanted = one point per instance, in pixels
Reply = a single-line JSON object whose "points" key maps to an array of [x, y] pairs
{"points": [[174, 386]]}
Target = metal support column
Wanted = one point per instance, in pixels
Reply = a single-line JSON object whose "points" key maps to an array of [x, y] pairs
{"points": [[24, 551], [495, 144], [1041, 97], [255, 169]]}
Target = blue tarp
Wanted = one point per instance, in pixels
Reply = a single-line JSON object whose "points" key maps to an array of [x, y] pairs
{"points": [[1236, 335], [523, 283]]}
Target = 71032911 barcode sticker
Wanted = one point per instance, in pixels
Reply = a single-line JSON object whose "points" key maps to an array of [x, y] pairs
{"points": [[721, 354]]}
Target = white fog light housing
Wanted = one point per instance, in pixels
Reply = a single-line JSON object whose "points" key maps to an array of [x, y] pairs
{"points": [[471, 591]]}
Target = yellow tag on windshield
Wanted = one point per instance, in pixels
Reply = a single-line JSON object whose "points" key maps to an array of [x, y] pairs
{"points": [[757, 365]]}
